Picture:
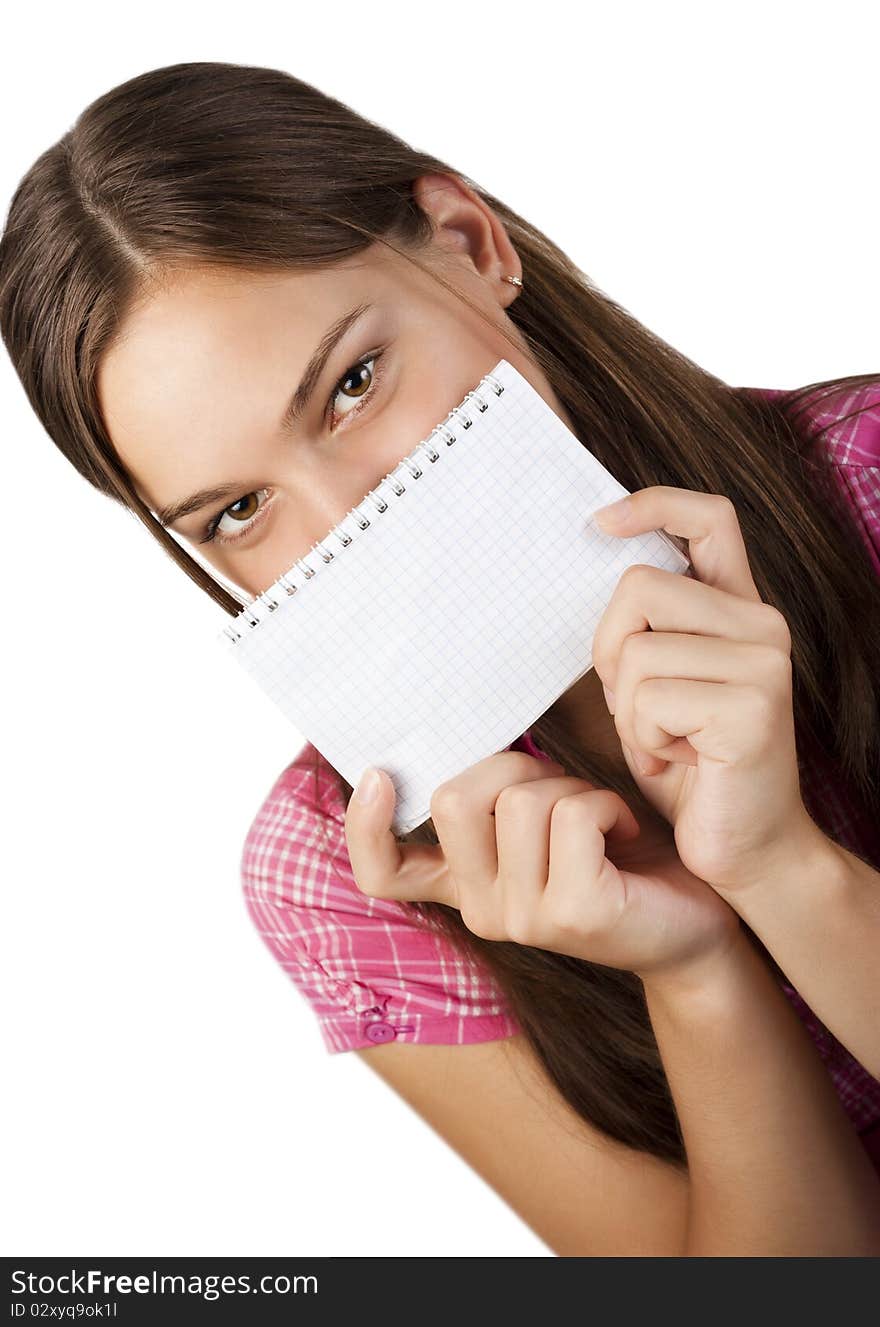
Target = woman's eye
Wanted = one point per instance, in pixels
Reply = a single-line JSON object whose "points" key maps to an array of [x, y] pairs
{"points": [[358, 381], [244, 514]]}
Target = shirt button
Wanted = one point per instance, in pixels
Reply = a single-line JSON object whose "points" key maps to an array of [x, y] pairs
{"points": [[380, 1032]]}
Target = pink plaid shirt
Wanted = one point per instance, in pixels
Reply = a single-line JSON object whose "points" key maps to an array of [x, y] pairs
{"points": [[372, 972]]}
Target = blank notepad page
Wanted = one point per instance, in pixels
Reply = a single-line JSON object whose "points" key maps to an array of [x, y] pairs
{"points": [[449, 624]]}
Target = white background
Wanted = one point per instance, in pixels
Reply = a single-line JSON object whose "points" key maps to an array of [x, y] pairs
{"points": [[713, 168]]}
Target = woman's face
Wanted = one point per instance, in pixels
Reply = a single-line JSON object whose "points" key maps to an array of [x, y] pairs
{"points": [[194, 392]]}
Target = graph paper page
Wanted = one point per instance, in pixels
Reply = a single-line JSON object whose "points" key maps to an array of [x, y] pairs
{"points": [[446, 628]]}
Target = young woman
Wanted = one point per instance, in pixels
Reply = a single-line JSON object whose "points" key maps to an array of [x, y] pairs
{"points": [[628, 967]]}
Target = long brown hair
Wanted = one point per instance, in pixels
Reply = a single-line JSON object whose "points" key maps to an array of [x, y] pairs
{"points": [[219, 164]]}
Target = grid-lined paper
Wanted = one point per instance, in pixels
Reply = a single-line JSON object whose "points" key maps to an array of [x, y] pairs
{"points": [[444, 629]]}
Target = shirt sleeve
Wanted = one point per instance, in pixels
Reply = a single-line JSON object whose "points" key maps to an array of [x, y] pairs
{"points": [[855, 453], [371, 970], [847, 430]]}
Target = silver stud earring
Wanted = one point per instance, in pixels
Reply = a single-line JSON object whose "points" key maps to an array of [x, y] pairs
{"points": [[514, 281]]}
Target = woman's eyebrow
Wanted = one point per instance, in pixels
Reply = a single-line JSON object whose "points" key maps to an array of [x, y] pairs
{"points": [[175, 511], [315, 367]]}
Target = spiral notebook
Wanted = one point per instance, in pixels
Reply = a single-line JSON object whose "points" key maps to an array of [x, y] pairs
{"points": [[454, 604]]}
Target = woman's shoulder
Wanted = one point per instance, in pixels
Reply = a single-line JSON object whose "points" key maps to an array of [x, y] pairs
{"points": [[841, 429], [844, 422]]}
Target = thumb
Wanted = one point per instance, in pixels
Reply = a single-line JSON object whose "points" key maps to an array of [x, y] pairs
{"points": [[375, 853], [382, 867]]}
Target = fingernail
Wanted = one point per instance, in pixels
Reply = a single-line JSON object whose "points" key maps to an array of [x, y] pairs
{"points": [[609, 698], [615, 511], [368, 785]]}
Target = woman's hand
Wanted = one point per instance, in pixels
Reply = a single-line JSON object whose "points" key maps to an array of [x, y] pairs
{"points": [[529, 855], [699, 671]]}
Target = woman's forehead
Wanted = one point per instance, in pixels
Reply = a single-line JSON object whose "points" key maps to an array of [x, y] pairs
{"points": [[205, 366]]}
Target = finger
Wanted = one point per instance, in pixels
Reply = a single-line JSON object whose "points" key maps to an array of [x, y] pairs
{"points": [[580, 828], [384, 868], [462, 810], [650, 598], [522, 821], [522, 835], [678, 655], [523, 814], [648, 763], [708, 521], [725, 722]]}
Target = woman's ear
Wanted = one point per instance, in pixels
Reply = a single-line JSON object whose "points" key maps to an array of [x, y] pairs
{"points": [[465, 225]]}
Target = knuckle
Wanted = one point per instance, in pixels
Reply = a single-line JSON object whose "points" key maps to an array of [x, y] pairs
{"points": [[777, 628], [519, 925], [522, 762], [602, 662], [761, 706], [514, 800], [447, 800], [374, 890], [569, 928], [481, 924], [776, 664], [571, 810], [724, 508], [635, 574]]}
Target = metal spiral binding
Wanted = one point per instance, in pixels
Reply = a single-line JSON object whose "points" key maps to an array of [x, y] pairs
{"points": [[247, 619]]}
